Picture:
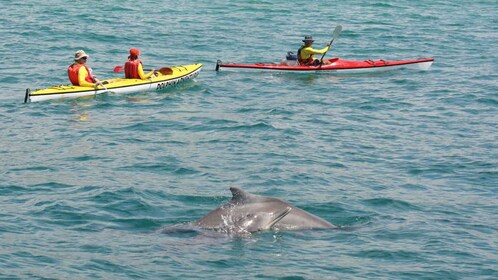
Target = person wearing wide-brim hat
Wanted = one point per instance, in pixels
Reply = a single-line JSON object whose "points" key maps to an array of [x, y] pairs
{"points": [[306, 52], [134, 67], [80, 74]]}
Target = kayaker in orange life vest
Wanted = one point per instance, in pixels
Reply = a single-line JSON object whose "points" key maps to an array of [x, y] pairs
{"points": [[306, 52], [134, 67], [80, 74]]}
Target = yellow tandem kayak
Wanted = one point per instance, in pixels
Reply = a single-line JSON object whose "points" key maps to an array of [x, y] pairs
{"points": [[177, 75]]}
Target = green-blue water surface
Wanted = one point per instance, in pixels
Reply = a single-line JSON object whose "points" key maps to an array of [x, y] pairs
{"points": [[406, 162]]}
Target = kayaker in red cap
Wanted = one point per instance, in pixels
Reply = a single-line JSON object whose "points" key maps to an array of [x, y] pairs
{"points": [[306, 52], [80, 74], [134, 67]]}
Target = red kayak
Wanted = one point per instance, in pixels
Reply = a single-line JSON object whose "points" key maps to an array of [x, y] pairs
{"points": [[338, 65]]}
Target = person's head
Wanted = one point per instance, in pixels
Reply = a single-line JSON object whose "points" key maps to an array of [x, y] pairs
{"points": [[134, 53], [80, 57], [308, 40]]}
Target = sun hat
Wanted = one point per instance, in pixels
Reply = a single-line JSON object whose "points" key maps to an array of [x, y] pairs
{"points": [[134, 52], [80, 54], [308, 38]]}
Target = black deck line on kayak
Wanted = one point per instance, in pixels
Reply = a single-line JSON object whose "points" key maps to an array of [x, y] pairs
{"points": [[26, 96], [56, 93]]}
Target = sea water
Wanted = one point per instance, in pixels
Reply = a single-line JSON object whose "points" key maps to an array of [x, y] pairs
{"points": [[404, 162]]}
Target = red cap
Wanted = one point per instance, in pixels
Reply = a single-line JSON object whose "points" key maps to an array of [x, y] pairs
{"points": [[134, 52]]}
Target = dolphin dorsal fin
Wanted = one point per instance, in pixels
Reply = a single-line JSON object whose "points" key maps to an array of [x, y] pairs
{"points": [[239, 195]]}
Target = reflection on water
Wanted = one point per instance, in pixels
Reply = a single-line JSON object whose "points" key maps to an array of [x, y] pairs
{"points": [[80, 114]]}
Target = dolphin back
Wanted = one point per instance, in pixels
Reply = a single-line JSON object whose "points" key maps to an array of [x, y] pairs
{"points": [[256, 212], [295, 220]]}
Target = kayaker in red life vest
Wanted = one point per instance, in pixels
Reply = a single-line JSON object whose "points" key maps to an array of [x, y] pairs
{"points": [[306, 52], [80, 74], [134, 67]]}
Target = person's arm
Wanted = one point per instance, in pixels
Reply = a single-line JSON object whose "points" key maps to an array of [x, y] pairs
{"points": [[141, 73], [308, 51], [82, 73], [321, 51]]}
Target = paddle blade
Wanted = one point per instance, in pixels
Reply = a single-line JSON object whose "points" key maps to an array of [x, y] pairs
{"points": [[337, 31], [118, 69]]}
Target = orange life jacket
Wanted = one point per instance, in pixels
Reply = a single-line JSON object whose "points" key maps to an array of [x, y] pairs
{"points": [[72, 72], [302, 61], [131, 69]]}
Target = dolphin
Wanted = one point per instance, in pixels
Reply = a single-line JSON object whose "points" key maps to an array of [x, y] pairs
{"points": [[248, 213]]}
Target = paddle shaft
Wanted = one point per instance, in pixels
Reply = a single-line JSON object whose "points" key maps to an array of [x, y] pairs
{"points": [[99, 83], [104, 87]]}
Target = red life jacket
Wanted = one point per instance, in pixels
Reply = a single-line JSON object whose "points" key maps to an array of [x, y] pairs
{"points": [[131, 69], [72, 72], [302, 61]]}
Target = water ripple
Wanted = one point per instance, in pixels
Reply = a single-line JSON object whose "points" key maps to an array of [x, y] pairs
{"points": [[404, 162]]}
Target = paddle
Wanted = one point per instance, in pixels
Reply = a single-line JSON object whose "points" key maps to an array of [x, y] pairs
{"points": [[99, 83], [102, 84], [164, 70], [336, 33]]}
